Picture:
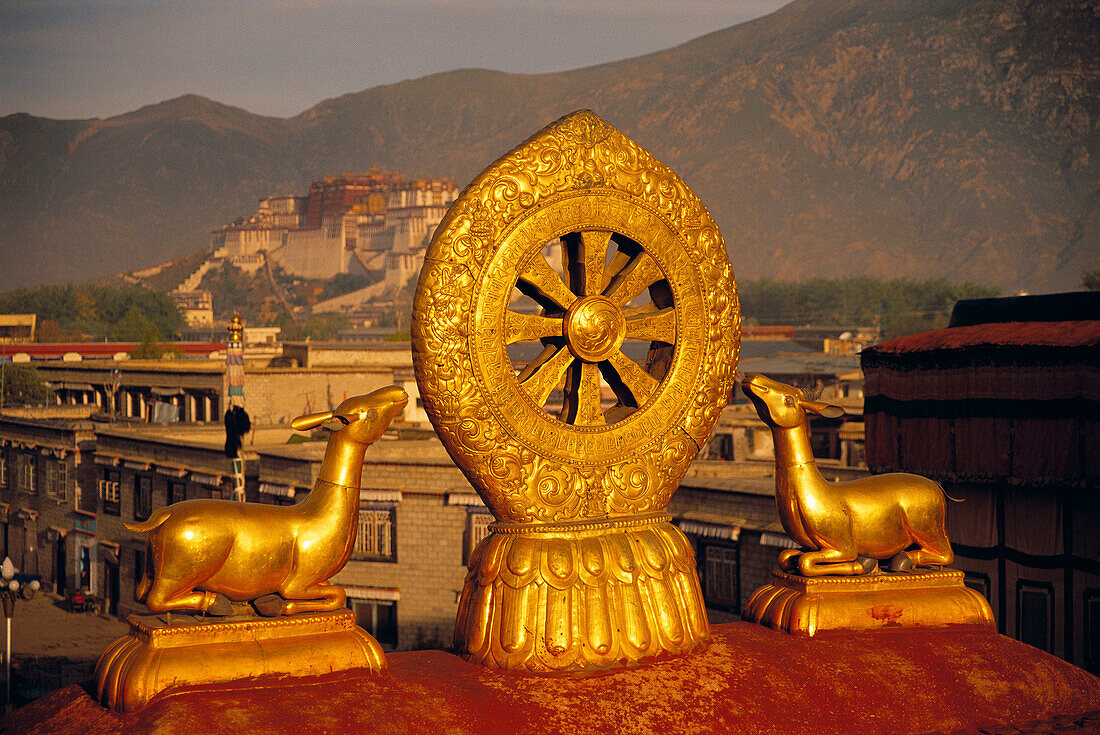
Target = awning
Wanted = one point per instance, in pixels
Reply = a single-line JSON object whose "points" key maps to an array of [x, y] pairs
{"points": [[372, 593], [380, 496], [166, 391], [106, 461], [137, 466], [710, 530], [282, 491], [171, 471], [212, 480], [778, 540], [465, 499]]}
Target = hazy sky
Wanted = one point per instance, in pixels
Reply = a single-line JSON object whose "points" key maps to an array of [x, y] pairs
{"points": [[97, 58]]}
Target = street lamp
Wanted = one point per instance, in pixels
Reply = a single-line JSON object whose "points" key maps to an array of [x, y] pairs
{"points": [[9, 590]]}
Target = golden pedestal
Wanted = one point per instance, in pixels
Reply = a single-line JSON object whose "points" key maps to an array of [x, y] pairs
{"points": [[580, 597], [809, 605], [156, 658]]}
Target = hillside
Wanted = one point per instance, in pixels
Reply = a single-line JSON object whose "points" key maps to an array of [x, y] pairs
{"points": [[831, 138]]}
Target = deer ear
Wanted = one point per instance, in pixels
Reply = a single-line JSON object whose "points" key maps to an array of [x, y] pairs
{"points": [[310, 420], [827, 410]]}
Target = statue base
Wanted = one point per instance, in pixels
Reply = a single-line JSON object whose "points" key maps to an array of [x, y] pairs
{"points": [[580, 597], [806, 606], [158, 657]]}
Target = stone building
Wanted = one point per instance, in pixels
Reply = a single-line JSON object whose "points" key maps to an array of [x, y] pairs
{"points": [[1001, 408], [378, 223]]}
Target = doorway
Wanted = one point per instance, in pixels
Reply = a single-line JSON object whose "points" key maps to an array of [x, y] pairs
{"points": [[59, 567], [110, 583]]}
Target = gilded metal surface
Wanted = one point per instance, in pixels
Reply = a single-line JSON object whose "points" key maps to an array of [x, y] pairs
{"points": [[156, 658], [581, 596], [844, 527], [203, 554], [634, 257], [810, 605]]}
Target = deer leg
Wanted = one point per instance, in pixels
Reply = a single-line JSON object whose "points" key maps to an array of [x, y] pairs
{"points": [[938, 553], [168, 594], [830, 561], [788, 559], [312, 598]]}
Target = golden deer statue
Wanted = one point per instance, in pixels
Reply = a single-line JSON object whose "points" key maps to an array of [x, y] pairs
{"points": [[844, 528], [203, 555]]}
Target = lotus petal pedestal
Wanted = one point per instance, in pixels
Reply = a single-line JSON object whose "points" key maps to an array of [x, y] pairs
{"points": [[810, 605], [156, 657]]}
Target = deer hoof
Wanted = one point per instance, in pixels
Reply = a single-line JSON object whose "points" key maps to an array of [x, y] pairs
{"points": [[269, 606], [867, 564], [220, 606], [901, 562]]}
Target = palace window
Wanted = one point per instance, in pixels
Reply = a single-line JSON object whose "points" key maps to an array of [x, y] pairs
{"points": [[720, 576], [374, 538], [978, 582], [1035, 614], [143, 497], [477, 528], [1092, 630], [3, 470], [28, 473], [108, 491], [377, 617], [57, 480], [177, 492]]}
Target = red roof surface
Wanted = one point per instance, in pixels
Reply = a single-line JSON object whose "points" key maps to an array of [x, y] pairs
{"points": [[1004, 334], [104, 349], [749, 680]]}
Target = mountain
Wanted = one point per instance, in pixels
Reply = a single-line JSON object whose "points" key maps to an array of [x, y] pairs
{"points": [[833, 137]]}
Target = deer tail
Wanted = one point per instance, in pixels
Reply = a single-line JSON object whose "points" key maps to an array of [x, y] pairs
{"points": [[953, 500], [158, 517]]}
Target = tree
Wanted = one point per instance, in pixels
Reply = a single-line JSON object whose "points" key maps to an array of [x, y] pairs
{"points": [[21, 385], [1091, 279], [134, 326]]}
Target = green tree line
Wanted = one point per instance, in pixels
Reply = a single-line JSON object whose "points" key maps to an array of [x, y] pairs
{"points": [[899, 306], [99, 312]]}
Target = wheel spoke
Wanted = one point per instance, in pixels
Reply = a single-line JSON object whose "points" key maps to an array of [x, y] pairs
{"points": [[584, 257], [529, 327], [543, 374], [650, 323], [582, 396], [637, 275], [640, 383], [541, 283]]}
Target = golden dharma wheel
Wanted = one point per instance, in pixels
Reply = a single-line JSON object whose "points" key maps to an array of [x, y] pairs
{"points": [[575, 336], [577, 327]]}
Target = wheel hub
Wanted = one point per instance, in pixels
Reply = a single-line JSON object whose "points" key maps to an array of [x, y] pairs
{"points": [[594, 327]]}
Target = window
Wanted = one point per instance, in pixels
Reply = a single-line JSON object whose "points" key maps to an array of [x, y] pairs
{"points": [[177, 492], [28, 473], [978, 582], [1034, 614], [1092, 630], [108, 490], [374, 538], [143, 497], [57, 480], [721, 578], [477, 528], [377, 617], [139, 566], [3, 470]]}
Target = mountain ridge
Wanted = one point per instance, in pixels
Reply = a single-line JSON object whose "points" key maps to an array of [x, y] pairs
{"points": [[950, 138]]}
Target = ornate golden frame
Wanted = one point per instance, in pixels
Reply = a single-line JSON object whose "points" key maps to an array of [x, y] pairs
{"points": [[577, 178]]}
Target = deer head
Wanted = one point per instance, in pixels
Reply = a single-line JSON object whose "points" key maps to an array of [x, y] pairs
{"points": [[781, 405], [361, 419]]}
